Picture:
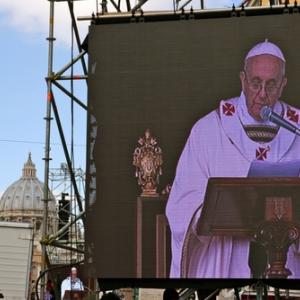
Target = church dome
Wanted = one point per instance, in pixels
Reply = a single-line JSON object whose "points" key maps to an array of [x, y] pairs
{"points": [[26, 194]]}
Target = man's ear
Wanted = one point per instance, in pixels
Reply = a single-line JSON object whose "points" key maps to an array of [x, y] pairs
{"points": [[242, 78], [283, 84]]}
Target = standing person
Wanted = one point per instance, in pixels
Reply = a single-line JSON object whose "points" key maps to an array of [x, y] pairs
{"points": [[224, 143], [50, 294], [71, 283]]}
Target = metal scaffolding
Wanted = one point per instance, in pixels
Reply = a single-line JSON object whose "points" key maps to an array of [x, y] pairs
{"points": [[50, 243], [66, 246], [128, 6]]}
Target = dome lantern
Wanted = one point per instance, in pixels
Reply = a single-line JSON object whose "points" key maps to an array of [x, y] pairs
{"points": [[29, 170]]}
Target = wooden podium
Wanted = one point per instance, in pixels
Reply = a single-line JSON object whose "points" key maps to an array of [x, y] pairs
{"points": [[266, 210], [153, 244], [74, 295]]}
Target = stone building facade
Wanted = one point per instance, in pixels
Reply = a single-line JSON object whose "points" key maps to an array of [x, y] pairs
{"points": [[23, 202]]}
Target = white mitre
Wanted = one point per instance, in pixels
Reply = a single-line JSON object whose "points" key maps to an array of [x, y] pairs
{"points": [[265, 47]]}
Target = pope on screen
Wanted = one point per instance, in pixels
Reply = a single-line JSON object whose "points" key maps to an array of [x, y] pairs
{"points": [[223, 144]]}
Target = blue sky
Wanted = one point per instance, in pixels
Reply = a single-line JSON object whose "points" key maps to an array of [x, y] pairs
{"points": [[23, 60]]}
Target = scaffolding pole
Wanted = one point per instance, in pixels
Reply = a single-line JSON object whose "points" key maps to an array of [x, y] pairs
{"points": [[67, 155], [47, 158], [60, 232]]}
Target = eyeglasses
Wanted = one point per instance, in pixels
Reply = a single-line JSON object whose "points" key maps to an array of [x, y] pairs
{"points": [[271, 87]]}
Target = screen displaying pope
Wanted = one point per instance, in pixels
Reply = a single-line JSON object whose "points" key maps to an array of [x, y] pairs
{"points": [[224, 143]]}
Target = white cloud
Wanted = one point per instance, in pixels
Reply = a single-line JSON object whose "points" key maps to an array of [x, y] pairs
{"points": [[32, 16], [26, 15]]}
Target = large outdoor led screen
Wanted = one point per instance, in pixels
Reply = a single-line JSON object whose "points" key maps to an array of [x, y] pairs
{"points": [[177, 94]]}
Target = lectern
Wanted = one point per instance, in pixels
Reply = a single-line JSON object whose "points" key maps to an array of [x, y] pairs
{"points": [[74, 295], [265, 210]]}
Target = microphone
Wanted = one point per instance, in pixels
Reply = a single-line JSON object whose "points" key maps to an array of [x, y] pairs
{"points": [[267, 114]]}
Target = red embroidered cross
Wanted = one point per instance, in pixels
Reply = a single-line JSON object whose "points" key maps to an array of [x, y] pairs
{"points": [[292, 115], [228, 109], [261, 153]]}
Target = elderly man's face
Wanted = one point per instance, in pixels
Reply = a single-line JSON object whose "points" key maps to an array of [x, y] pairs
{"points": [[262, 82], [74, 273]]}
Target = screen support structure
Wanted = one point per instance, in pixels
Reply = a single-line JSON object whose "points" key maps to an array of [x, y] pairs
{"points": [[118, 6], [53, 80], [176, 4]]}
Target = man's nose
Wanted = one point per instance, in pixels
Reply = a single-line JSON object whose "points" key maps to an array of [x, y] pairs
{"points": [[262, 92]]}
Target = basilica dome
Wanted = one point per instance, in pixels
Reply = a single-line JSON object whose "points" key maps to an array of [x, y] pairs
{"points": [[23, 202], [24, 197]]}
